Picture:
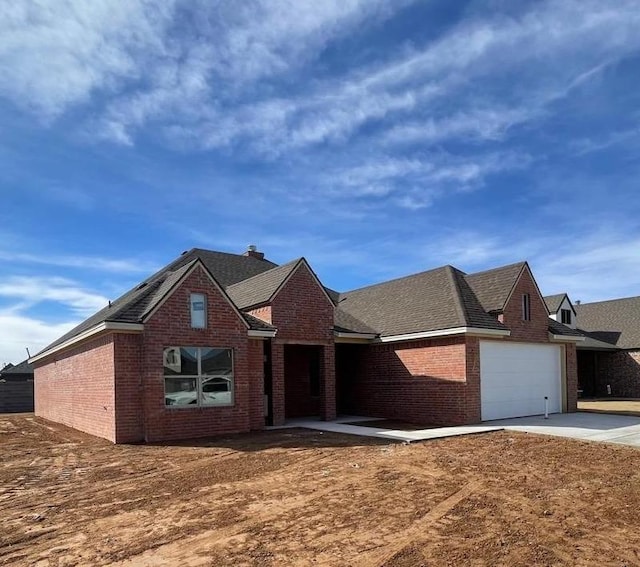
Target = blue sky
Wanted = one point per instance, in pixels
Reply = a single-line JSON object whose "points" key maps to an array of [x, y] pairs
{"points": [[375, 138]]}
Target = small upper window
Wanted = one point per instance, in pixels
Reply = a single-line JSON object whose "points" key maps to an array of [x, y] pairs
{"points": [[526, 307], [565, 315], [198, 311]]}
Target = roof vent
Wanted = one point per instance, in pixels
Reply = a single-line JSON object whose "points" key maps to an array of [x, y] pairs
{"points": [[252, 252]]}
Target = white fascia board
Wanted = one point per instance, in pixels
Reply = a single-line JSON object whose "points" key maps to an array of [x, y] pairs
{"points": [[446, 333], [261, 334], [99, 328], [565, 338]]}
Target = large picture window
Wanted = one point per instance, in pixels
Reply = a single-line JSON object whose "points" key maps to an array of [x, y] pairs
{"points": [[198, 376]]}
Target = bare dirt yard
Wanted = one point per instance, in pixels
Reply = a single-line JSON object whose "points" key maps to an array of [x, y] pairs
{"points": [[297, 497], [624, 407]]}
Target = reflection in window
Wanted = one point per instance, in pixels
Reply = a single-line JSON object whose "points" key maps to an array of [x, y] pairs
{"points": [[196, 376], [198, 304]]}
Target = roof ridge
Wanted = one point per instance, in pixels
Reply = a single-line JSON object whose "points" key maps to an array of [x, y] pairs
{"points": [[458, 303], [270, 270], [582, 304], [393, 280], [496, 268]]}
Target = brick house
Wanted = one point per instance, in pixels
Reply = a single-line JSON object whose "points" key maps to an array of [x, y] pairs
{"points": [[218, 343], [16, 388], [609, 357]]}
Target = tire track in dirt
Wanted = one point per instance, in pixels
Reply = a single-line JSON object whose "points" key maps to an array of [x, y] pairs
{"points": [[54, 467], [415, 532], [185, 550]]}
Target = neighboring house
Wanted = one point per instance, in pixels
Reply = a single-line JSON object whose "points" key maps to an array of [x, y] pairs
{"points": [[609, 359], [219, 343], [561, 309], [16, 388]]}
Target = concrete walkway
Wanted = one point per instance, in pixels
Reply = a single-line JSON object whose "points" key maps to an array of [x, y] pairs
{"points": [[344, 424], [621, 429], [610, 428]]}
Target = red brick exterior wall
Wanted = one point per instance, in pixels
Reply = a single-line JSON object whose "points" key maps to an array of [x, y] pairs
{"points": [[423, 382], [77, 388], [256, 381], [535, 330], [277, 382], [128, 388], [571, 369], [620, 370], [472, 364], [302, 313], [171, 326]]}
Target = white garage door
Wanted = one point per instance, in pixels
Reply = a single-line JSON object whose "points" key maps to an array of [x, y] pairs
{"points": [[516, 377]]}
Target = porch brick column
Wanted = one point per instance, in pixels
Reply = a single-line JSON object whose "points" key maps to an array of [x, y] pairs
{"points": [[473, 396], [572, 377], [277, 382], [328, 382]]}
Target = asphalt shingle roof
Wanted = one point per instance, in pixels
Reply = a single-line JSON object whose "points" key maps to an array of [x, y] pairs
{"points": [[347, 323], [616, 321], [492, 287], [428, 301], [560, 329], [135, 303], [438, 299], [260, 288], [23, 368], [597, 341]]}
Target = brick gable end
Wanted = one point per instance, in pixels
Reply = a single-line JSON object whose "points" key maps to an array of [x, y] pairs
{"points": [[534, 330]]}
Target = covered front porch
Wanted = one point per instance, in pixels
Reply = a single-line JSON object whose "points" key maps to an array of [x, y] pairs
{"points": [[299, 381]]}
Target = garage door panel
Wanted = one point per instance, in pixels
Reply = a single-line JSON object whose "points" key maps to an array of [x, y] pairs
{"points": [[516, 377]]}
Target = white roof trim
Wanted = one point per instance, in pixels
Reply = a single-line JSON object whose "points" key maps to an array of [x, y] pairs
{"points": [[446, 333], [566, 338], [99, 328], [261, 334]]}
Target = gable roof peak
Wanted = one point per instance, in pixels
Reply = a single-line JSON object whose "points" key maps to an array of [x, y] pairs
{"points": [[494, 287], [554, 301], [520, 264]]}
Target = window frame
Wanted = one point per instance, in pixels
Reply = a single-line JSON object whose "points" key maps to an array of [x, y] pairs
{"points": [[191, 310], [199, 380], [526, 307], [568, 314]]}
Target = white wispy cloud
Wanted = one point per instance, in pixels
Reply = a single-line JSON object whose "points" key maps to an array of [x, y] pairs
{"points": [[93, 263], [590, 265], [626, 136], [491, 123], [415, 182], [55, 55], [20, 332], [30, 291], [214, 87]]}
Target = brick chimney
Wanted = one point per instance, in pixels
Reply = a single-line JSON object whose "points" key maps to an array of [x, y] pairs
{"points": [[252, 252]]}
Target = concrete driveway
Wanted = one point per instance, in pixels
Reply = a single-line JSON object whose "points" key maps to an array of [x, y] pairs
{"points": [[622, 429]]}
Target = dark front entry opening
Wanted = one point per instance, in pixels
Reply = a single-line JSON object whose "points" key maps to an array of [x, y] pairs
{"points": [[587, 373], [302, 380], [347, 372], [268, 385]]}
